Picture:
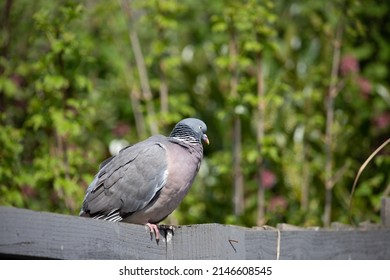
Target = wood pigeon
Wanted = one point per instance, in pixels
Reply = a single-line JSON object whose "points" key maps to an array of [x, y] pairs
{"points": [[146, 181]]}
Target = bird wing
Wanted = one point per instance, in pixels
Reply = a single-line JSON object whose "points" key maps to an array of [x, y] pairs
{"points": [[129, 181]]}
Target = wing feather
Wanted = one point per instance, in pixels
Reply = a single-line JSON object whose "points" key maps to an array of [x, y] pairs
{"points": [[129, 181]]}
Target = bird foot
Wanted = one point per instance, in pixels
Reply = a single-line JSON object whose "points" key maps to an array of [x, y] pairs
{"points": [[155, 229]]}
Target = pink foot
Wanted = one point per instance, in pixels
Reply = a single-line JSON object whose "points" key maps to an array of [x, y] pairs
{"points": [[153, 229]]}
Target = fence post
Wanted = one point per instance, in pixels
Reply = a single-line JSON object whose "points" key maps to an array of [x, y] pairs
{"points": [[385, 211]]}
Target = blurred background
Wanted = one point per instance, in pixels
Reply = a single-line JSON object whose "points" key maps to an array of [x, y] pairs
{"points": [[295, 95]]}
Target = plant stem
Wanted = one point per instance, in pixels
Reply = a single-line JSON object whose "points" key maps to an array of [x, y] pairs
{"points": [[332, 92], [238, 180], [164, 90], [260, 137], [143, 74]]}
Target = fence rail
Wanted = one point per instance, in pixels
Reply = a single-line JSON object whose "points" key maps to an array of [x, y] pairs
{"points": [[26, 234]]}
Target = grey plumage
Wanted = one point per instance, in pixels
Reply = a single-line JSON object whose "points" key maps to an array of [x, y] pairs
{"points": [[145, 182]]}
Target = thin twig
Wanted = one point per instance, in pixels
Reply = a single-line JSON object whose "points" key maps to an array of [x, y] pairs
{"points": [[140, 61], [278, 246], [361, 170], [339, 174], [278, 240]]}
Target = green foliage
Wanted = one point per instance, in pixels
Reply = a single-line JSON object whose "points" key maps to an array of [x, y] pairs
{"points": [[69, 84]]}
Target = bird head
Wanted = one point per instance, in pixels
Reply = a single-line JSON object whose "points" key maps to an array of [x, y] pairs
{"points": [[191, 128]]}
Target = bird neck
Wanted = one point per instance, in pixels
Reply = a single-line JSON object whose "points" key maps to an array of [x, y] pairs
{"points": [[185, 134]]}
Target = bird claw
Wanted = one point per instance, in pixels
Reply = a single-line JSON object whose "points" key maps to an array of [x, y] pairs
{"points": [[155, 229]]}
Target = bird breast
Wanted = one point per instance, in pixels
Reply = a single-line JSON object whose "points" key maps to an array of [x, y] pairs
{"points": [[183, 165]]}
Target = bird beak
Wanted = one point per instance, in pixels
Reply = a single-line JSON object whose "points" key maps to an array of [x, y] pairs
{"points": [[205, 139]]}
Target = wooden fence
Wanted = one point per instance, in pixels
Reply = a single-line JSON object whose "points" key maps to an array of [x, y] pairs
{"points": [[26, 234]]}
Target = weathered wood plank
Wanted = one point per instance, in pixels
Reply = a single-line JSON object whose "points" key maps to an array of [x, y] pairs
{"points": [[261, 244], [207, 241], [47, 235], [30, 234], [333, 245]]}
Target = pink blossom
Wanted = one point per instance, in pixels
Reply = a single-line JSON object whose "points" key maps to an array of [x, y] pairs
{"points": [[268, 179], [28, 191], [382, 121], [349, 64], [365, 86], [277, 204], [121, 129]]}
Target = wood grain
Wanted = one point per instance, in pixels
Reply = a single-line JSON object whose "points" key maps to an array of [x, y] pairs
{"points": [[26, 234]]}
